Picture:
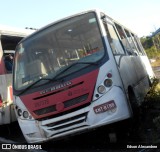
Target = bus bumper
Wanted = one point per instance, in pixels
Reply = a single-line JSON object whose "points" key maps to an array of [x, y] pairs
{"points": [[111, 107]]}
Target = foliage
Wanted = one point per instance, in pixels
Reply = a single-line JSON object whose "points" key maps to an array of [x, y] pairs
{"points": [[154, 94], [146, 42], [152, 46], [153, 52]]}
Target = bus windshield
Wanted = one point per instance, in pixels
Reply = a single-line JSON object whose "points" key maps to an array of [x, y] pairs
{"points": [[51, 50]]}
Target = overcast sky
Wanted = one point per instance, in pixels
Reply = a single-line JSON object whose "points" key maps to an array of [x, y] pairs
{"points": [[141, 16]]}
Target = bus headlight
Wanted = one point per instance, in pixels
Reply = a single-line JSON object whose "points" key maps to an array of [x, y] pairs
{"points": [[108, 83], [25, 114], [104, 86], [101, 89], [19, 112]]}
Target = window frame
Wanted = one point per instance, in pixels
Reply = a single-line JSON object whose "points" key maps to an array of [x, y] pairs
{"points": [[105, 23]]}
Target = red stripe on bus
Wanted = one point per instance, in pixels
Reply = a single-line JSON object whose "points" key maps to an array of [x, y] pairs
{"points": [[2, 67], [80, 88]]}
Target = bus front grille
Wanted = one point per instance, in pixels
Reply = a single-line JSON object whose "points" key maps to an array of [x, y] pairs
{"points": [[67, 124], [67, 104], [75, 101]]}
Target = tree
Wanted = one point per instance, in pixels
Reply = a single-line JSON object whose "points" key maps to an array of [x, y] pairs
{"points": [[147, 42]]}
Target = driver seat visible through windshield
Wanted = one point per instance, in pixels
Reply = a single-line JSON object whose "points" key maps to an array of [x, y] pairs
{"points": [[36, 69]]}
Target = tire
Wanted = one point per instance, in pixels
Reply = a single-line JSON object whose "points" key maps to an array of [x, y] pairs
{"points": [[136, 116], [134, 103]]}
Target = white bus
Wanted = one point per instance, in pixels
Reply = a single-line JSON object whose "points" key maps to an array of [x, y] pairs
{"points": [[9, 38], [77, 74]]}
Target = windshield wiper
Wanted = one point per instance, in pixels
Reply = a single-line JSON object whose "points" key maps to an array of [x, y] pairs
{"points": [[55, 77], [73, 64], [47, 79]]}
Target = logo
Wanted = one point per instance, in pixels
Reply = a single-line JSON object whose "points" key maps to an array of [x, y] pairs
{"points": [[17, 146], [56, 87], [59, 106], [6, 146]]}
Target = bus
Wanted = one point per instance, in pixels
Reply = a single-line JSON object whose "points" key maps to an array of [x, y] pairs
{"points": [[9, 38], [77, 74]]}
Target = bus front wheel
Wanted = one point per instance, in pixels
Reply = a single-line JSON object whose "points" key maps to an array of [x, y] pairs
{"points": [[133, 102]]}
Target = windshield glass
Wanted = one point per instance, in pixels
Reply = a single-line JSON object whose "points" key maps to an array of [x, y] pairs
{"points": [[51, 50]]}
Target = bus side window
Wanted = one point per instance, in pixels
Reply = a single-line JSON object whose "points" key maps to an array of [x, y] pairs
{"points": [[124, 39], [139, 45], [136, 44], [131, 43], [9, 43], [8, 60], [113, 39]]}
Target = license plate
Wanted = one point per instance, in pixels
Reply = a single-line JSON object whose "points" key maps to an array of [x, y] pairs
{"points": [[105, 107]]}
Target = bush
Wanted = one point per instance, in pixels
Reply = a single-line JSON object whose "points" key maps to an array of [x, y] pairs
{"points": [[153, 52], [154, 94]]}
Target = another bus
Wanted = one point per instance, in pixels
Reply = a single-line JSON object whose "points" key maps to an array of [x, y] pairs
{"points": [[77, 74], [9, 38]]}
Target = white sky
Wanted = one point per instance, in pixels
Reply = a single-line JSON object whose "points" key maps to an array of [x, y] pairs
{"points": [[141, 16]]}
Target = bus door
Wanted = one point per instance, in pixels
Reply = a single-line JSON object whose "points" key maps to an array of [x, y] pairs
{"points": [[141, 86], [7, 48], [124, 64]]}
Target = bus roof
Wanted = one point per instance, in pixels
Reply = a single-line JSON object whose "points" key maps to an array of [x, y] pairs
{"points": [[98, 11], [7, 30]]}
